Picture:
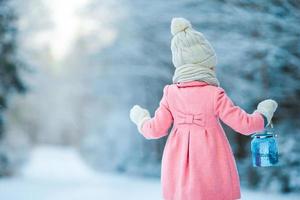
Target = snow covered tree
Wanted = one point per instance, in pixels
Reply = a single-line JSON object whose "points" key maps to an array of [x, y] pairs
{"points": [[9, 75]]}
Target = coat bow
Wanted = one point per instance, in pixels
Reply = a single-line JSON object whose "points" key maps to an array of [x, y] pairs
{"points": [[197, 119]]}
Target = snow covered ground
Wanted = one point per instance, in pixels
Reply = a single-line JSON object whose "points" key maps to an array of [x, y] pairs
{"points": [[58, 173]]}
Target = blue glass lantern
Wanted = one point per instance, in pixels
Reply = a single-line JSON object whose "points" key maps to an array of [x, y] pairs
{"points": [[264, 148]]}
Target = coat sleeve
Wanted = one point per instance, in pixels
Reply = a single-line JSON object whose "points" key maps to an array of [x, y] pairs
{"points": [[236, 117], [159, 125]]}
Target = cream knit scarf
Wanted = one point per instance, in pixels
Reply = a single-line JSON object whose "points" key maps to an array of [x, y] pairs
{"points": [[195, 72]]}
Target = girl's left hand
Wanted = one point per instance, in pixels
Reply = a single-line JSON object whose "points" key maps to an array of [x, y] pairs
{"points": [[139, 115]]}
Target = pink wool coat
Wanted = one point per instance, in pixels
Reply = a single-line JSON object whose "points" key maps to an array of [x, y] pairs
{"points": [[198, 163]]}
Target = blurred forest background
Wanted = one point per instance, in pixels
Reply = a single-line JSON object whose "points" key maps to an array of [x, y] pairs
{"points": [[71, 70]]}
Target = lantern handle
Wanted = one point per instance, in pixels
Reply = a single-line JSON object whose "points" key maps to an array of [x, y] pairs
{"points": [[271, 124]]}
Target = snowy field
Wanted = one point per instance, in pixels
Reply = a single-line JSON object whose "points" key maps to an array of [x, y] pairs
{"points": [[56, 173]]}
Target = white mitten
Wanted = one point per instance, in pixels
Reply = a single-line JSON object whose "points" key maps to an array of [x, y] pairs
{"points": [[139, 115], [267, 108]]}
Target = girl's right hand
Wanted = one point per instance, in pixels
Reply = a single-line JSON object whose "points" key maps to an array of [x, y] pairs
{"points": [[267, 108]]}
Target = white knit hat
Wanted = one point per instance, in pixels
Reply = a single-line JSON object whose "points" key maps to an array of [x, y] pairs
{"points": [[192, 55], [189, 46]]}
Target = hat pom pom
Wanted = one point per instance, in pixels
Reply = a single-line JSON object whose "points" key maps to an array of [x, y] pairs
{"points": [[179, 24]]}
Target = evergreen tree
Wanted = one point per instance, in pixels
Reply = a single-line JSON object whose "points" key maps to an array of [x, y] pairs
{"points": [[9, 69]]}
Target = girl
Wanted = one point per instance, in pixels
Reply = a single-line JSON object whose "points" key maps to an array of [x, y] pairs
{"points": [[198, 163]]}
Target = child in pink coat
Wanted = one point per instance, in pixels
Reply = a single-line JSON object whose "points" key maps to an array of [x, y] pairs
{"points": [[198, 163]]}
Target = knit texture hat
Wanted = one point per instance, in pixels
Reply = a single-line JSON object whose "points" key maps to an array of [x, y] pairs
{"points": [[192, 55]]}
